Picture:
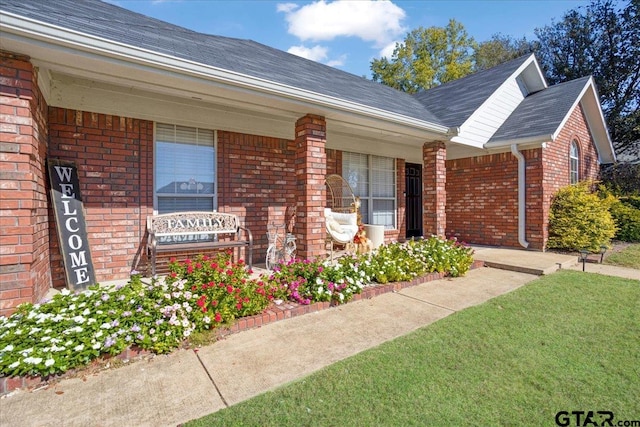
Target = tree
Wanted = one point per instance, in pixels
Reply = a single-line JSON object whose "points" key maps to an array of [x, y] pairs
{"points": [[604, 42], [500, 49], [427, 57]]}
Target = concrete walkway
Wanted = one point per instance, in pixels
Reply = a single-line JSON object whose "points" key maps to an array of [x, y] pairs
{"points": [[169, 390]]}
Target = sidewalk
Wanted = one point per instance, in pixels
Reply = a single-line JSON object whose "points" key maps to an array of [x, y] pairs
{"points": [[185, 385]]}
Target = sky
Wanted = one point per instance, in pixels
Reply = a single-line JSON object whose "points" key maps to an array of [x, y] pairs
{"points": [[349, 34]]}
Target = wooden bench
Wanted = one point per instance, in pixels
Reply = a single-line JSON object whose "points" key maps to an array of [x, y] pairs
{"points": [[182, 231]]}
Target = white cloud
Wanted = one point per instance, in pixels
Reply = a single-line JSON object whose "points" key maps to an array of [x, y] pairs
{"points": [[317, 53], [379, 22], [338, 62], [286, 7], [387, 51]]}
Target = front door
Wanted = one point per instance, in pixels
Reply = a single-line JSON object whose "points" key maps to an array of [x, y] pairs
{"points": [[413, 180]]}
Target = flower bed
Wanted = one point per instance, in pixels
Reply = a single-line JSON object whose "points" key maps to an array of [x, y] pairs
{"points": [[203, 294]]}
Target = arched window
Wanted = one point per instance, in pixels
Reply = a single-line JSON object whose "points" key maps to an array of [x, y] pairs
{"points": [[574, 162]]}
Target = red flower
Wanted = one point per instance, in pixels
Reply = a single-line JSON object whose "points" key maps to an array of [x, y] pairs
{"points": [[214, 303], [202, 303], [172, 260], [173, 274], [218, 318], [214, 265], [229, 288], [189, 269], [198, 265], [239, 306]]}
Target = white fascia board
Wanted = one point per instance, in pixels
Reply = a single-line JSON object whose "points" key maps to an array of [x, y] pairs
{"points": [[84, 42], [589, 99], [570, 111], [529, 142]]}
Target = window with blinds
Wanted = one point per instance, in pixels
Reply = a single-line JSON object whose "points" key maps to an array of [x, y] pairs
{"points": [[185, 169], [373, 179]]}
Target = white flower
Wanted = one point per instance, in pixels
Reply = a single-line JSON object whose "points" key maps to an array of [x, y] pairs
{"points": [[33, 360], [9, 347], [86, 312], [49, 362], [43, 339], [105, 325], [65, 291], [14, 364], [98, 334], [79, 319], [96, 346]]}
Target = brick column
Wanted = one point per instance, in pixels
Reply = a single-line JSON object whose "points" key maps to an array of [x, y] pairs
{"points": [[434, 195], [24, 241], [311, 169]]}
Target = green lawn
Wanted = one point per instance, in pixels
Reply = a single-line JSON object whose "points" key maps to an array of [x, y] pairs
{"points": [[630, 257], [568, 341]]}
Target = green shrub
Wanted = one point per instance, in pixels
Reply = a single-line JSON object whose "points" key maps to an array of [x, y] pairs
{"points": [[627, 219], [633, 201], [579, 219]]}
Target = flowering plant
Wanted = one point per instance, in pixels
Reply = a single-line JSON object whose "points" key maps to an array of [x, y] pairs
{"points": [[74, 328]]}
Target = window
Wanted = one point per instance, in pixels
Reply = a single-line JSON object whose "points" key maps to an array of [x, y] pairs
{"points": [[185, 169], [373, 179], [574, 161]]}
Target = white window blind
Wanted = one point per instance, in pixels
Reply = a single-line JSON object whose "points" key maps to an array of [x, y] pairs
{"points": [[373, 179], [184, 169]]}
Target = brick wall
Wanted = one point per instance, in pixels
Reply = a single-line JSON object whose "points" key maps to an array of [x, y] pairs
{"points": [[434, 193], [114, 156], [311, 169], [482, 199], [482, 192], [114, 160], [556, 162], [24, 250], [257, 177]]}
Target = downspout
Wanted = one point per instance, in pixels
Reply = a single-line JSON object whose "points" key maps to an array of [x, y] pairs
{"points": [[521, 196]]}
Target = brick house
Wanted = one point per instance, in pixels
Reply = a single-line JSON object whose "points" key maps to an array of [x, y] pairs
{"points": [[158, 118]]}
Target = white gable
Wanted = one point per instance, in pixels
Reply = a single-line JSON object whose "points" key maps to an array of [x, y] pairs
{"points": [[487, 119]]}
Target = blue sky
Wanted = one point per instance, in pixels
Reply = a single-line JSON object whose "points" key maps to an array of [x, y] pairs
{"points": [[349, 34]]}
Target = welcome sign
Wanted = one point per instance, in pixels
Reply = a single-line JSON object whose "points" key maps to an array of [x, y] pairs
{"points": [[70, 223]]}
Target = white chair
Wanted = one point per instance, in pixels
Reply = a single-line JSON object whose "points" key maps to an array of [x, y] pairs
{"points": [[341, 227]]}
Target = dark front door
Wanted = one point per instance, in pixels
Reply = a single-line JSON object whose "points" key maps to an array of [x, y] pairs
{"points": [[413, 179]]}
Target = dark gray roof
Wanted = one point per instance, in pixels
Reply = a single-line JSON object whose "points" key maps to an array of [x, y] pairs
{"points": [[242, 56], [455, 101], [541, 113]]}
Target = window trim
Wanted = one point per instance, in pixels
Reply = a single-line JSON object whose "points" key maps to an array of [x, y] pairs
{"points": [[574, 175], [371, 198], [213, 196]]}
